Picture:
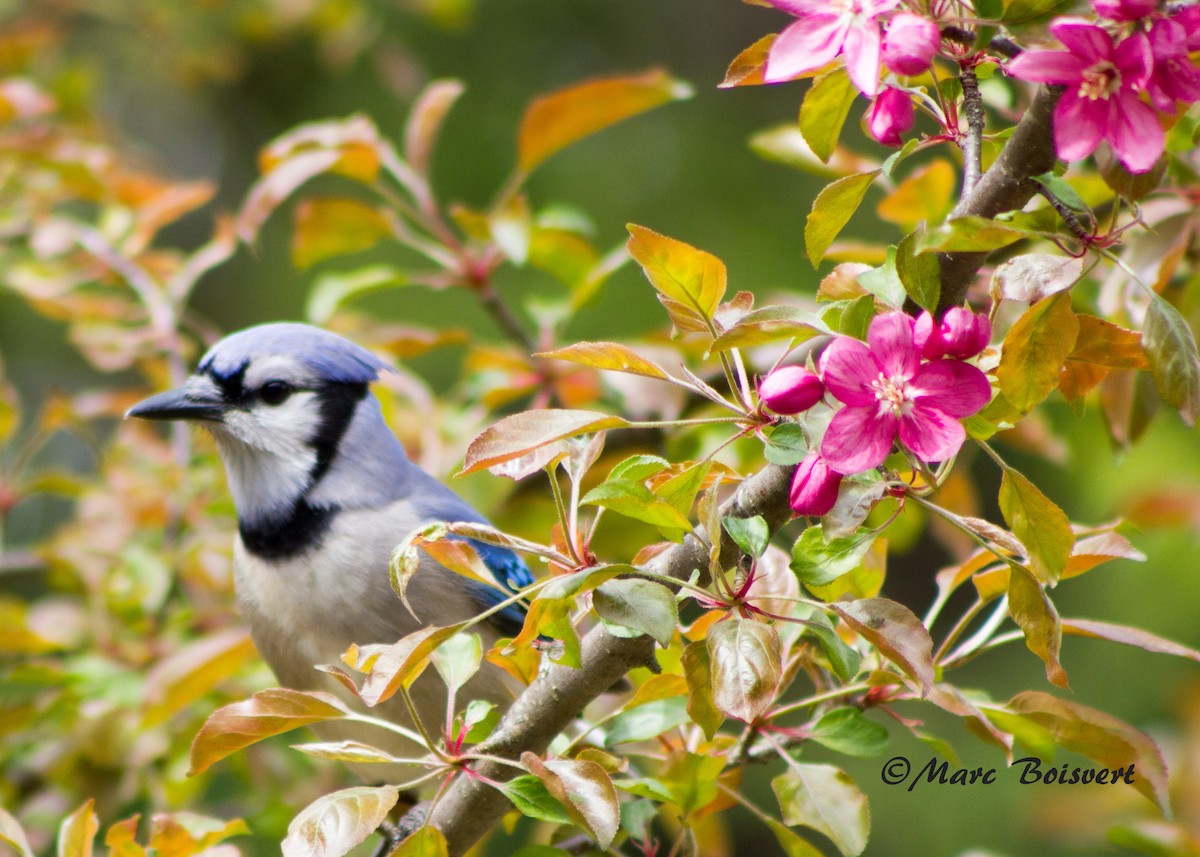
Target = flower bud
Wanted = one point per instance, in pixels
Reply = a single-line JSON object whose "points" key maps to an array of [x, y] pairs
{"points": [[1124, 10], [964, 333], [790, 390], [961, 335], [910, 43], [891, 115], [814, 487]]}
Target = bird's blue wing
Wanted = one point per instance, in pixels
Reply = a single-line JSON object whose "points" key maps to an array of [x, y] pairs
{"points": [[510, 571]]}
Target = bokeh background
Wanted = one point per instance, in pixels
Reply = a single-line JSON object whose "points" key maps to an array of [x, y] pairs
{"points": [[195, 89]]}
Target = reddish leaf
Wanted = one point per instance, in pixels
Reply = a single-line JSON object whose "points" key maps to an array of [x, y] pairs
{"points": [[748, 66], [425, 121], [519, 434], [192, 671], [1103, 343], [335, 823], [268, 712], [400, 663], [585, 791], [1033, 276], [1101, 737], [555, 121], [698, 672], [896, 632], [1034, 613], [1095, 550], [1128, 636], [746, 663], [950, 698]]}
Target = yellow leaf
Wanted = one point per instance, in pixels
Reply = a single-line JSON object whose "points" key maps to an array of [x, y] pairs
{"points": [[681, 273], [925, 196]]}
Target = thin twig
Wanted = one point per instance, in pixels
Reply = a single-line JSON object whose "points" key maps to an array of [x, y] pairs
{"points": [[972, 143]]}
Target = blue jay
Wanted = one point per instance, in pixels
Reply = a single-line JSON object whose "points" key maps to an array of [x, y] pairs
{"points": [[324, 492]]}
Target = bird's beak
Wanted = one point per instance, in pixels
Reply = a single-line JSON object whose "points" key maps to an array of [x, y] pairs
{"points": [[182, 403]]}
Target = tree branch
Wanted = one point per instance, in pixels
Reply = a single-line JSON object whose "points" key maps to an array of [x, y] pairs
{"points": [[471, 808], [1004, 187]]}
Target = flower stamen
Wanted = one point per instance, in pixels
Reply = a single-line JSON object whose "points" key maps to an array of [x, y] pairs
{"points": [[1100, 81], [893, 394]]}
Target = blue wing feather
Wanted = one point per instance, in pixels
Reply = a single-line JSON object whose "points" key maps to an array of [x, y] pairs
{"points": [[510, 571]]}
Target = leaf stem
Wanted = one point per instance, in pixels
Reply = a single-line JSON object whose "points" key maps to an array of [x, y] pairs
{"points": [[816, 698]]}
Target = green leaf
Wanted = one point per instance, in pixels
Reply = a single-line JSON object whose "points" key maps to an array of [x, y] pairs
{"points": [[825, 799], [896, 632], [681, 489], [691, 779], [335, 823], [752, 535], [638, 467], [647, 721], [1101, 737], [1018, 12], [426, 842], [1062, 189], [847, 730], [553, 122], [770, 324], [1034, 613], [824, 110], [697, 670], [334, 289], [844, 660], [1174, 361], [680, 272], [643, 605], [832, 210], [1041, 526], [746, 660], [884, 282], [969, 235], [457, 659], [792, 843], [921, 274], [531, 797], [819, 562], [635, 500], [786, 444], [853, 318], [1035, 350]]}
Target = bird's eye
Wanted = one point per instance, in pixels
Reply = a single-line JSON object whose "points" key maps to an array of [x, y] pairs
{"points": [[275, 392]]}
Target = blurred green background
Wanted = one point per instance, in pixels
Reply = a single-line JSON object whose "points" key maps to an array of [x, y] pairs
{"points": [[196, 88]]}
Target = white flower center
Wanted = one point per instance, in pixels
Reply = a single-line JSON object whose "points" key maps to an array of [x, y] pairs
{"points": [[893, 394], [1100, 81]]}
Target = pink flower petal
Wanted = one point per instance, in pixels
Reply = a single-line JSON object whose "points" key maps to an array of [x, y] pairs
{"points": [[858, 439], [1168, 38], [1059, 67], [958, 389], [807, 44], [802, 8], [877, 7], [862, 48], [891, 340], [1083, 38], [1136, 135], [848, 369], [814, 487], [931, 434], [1079, 126], [1135, 61]]}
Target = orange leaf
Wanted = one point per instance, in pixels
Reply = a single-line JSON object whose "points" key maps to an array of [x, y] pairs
{"points": [[520, 434], [555, 121]]}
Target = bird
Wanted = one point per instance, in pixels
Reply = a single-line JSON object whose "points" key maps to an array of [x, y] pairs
{"points": [[324, 492]]}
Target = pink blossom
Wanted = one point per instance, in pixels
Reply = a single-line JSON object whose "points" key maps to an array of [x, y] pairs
{"points": [[1189, 17], [961, 334], [1175, 77], [1101, 101], [910, 43], [1124, 10], [890, 115], [814, 487], [790, 389], [890, 393], [824, 29]]}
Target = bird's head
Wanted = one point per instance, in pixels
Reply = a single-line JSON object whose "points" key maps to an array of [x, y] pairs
{"points": [[281, 400]]}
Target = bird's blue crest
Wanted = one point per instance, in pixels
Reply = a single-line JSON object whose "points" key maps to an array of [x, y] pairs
{"points": [[327, 355]]}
